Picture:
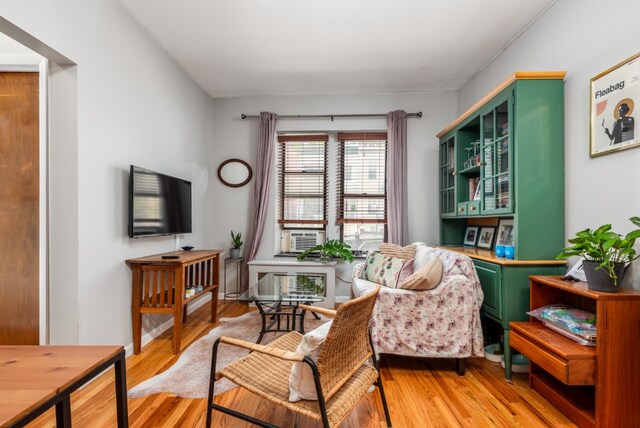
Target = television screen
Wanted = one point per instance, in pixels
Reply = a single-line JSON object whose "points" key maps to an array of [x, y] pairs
{"points": [[158, 204]]}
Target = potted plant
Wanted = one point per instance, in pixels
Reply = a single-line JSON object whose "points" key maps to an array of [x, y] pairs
{"points": [[331, 248], [606, 254], [236, 241]]}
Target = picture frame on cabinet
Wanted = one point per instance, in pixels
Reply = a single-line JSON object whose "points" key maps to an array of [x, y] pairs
{"points": [[505, 232], [471, 236], [614, 93], [485, 237]]}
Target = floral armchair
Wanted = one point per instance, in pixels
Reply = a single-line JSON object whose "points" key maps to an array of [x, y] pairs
{"points": [[443, 322]]}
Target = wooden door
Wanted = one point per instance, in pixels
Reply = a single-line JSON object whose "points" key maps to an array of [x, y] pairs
{"points": [[19, 209]]}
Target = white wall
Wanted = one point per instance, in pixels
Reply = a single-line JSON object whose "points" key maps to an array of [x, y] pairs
{"points": [[134, 106], [235, 138], [584, 38]]}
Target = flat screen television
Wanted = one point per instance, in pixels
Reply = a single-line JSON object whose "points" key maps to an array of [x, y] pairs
{"points": [[158, 204]]}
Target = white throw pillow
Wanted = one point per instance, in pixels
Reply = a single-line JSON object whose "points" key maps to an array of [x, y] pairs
{"points": [[301, 384], [423, 256]]}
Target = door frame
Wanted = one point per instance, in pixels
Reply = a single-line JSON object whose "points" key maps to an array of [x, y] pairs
{"points": [[37, 64]]}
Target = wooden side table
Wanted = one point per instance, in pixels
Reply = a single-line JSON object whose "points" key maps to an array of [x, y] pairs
{"points": [[237, 265], [159, 283], [594, 386]]}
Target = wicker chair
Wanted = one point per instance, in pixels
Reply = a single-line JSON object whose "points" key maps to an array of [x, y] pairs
{"points": [[341, 375]]}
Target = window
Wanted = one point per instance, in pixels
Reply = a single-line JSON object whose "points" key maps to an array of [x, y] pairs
{"points": [[362, 211], [302, 170]]}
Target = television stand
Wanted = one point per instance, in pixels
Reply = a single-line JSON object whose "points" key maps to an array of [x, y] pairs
{"points": [[159, 283]]}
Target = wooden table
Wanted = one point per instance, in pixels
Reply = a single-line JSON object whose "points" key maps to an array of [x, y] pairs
{"points": [[159, 283], [35, 378]]}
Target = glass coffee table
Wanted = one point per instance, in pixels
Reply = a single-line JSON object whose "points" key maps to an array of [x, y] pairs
{"points": [[277, 296]]}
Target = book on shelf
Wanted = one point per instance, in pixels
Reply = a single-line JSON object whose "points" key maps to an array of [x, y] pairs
{"points": [[473, 186], [581, 340]]}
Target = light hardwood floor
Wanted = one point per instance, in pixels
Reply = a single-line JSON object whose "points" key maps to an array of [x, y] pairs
{"points": [[420, 393]]}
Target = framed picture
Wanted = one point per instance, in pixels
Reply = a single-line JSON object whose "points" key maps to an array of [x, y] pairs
{"points": [[614, 94], [471, 236], [485, 239], [505, 232]]}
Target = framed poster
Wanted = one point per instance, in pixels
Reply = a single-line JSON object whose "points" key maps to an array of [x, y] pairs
{"points": [[614, 95]]}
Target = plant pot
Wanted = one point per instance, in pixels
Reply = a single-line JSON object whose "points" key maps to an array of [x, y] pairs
{"points": [[235, 253], [598, 280], [324, 257]]}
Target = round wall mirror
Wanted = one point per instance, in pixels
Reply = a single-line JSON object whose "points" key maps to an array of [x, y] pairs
{"points": [[234, 173]]}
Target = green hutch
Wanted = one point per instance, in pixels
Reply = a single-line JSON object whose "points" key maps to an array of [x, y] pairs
{"points": [[503, 160]]}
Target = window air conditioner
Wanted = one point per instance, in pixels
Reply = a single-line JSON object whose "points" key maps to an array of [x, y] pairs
{"points": [[300, 240]]}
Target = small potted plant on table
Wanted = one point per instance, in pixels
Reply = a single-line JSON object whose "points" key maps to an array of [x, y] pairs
{"points": [[236, 241], [606, 255]]}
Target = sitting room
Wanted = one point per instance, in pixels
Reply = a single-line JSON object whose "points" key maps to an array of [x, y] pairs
{"points": [[314, 214]]}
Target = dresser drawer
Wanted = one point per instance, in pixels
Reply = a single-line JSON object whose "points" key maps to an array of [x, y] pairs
{"points": [[473, 208], [462, 208], [561, 357]]}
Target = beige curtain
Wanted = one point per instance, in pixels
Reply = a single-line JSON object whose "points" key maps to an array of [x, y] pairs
{"points": [[261, 186], [397, 217]]}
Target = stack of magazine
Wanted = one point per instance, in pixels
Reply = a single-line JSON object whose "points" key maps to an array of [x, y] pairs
{"points": [[574, 323]]}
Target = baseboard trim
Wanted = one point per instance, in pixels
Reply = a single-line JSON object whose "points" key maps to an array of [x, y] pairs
{"points": [[150, 335]]}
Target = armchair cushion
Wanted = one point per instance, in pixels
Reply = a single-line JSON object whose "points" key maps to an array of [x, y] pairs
{"points": [[426, 278], [386, 270], [301, 383], [408, 252]]}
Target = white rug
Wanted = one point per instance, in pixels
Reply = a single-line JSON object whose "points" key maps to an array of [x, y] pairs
{"points": [[189, 376]]}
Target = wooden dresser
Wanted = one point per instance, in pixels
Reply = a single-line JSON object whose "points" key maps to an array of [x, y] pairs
{"points": [[594, 386]]}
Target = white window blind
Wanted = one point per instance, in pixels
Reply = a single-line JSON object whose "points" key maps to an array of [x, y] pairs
{"points": [[302, 170], [361, 192]]}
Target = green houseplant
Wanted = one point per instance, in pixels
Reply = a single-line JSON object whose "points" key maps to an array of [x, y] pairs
{"points": [[236, 241], [331, 248], [606, 253]]}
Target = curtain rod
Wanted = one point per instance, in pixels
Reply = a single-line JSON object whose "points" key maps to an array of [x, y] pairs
{"points": [[326, 116]]}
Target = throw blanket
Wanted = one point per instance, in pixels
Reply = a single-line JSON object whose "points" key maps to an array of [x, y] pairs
{"points": [[443, 322]]}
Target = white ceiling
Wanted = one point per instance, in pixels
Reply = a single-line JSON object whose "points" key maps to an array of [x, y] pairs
{"points": [[237, 48]]}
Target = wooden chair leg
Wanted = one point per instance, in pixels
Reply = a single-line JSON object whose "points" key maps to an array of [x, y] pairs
{"points": [[461, 366]]}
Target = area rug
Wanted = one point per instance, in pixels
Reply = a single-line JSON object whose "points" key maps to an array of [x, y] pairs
{"points": [[189, 376]]}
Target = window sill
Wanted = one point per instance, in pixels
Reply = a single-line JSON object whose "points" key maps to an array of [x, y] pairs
{"points": [[359, 255]]}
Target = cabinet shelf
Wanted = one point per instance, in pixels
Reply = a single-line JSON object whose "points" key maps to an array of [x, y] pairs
{"points": [[206, 289], [577, 402], [471, 171]]}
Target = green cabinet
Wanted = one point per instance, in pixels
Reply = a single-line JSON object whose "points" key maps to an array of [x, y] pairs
{"points": [[504, 159]]}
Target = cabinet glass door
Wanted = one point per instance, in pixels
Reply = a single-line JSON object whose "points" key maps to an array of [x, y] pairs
{"points": [[447, 177], [496, 167]]}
